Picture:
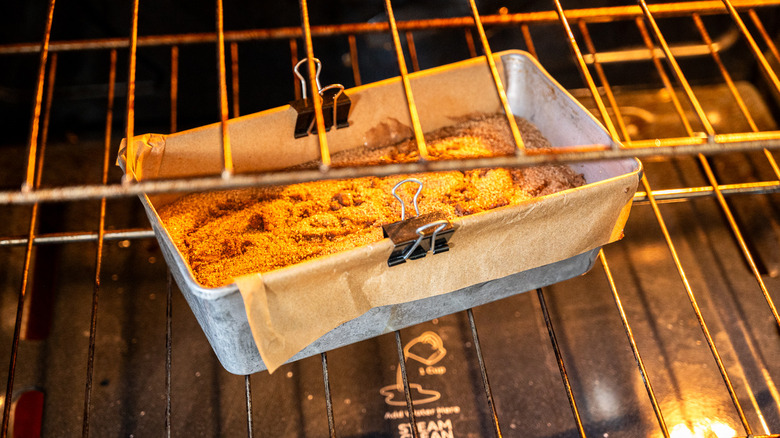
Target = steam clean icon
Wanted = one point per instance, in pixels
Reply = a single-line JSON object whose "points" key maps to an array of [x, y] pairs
{"points": [[427, 349]]}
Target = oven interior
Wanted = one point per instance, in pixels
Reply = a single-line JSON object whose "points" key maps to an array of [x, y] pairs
{"points": [[673, 332]]}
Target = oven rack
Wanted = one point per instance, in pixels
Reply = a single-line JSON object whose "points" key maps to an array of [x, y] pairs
{"points": [[704, 142], [696, 144]]}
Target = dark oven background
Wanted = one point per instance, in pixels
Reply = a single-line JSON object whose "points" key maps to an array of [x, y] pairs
{"points": [[106, 346]]}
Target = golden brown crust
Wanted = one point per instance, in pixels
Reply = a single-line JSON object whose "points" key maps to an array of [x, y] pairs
{"points": [[231, 233]]}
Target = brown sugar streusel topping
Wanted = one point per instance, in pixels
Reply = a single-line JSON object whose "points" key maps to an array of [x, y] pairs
{"points": [[227, 234]]}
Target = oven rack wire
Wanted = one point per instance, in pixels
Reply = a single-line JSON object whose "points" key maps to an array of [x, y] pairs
{"points": [[574, 23]]}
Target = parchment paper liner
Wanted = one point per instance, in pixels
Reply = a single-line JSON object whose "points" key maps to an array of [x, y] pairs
{"points": [[292, 307]]}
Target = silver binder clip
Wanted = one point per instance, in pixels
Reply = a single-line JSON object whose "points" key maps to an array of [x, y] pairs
{"points": [[335, 104], [414, 237]]}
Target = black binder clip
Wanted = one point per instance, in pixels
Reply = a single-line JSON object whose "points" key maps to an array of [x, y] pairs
{"points": [[333, 97], [414, 237]]}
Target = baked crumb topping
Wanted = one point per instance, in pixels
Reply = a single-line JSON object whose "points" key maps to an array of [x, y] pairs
{"points": [[227, 234]]}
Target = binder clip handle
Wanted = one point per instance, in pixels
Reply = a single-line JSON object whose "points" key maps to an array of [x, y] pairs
{"points": [[297, 72], [335, 108], [414, 200], [440, 225]]}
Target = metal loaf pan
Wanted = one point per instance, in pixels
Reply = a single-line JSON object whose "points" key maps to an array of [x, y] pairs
{"points": [[532, 93]]}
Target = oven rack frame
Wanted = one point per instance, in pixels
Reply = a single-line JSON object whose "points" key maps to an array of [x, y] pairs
{"points": [[657, 50]]}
